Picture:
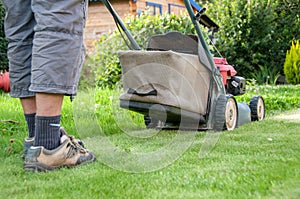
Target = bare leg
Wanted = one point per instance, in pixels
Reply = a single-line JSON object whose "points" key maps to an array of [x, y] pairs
{"points": [[48, 104], [29, 105], [29, 109]]}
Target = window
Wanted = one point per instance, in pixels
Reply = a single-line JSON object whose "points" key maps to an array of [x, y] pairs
{"points": [[154, 8], [175, 8]]}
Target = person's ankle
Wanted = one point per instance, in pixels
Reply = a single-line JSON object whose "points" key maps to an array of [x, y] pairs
{"points": [[47, 133]]}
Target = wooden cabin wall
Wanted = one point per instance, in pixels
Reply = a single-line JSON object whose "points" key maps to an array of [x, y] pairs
{"points": [[99, 20]]}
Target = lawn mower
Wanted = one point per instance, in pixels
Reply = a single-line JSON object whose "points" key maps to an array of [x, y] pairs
{"points": [[177, 84], [4, 81]]}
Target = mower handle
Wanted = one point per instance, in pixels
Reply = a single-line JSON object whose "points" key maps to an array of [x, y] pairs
{"points": [[119, 22]]}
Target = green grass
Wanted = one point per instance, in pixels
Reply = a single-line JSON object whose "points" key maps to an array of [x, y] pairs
{"points": [[256, 160]]}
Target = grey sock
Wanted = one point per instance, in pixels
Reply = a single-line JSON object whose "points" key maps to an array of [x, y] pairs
{"points": [[30, 120], [47, 132]]}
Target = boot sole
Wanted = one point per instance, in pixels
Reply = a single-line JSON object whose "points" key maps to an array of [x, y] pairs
{"points": [[39, 167]]}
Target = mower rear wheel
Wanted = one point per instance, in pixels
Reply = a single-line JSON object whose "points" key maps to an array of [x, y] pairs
{"points": [[150, 122], [257, 107], [231, 113]]}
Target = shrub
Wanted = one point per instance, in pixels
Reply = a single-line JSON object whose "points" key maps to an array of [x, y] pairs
{"points": [[255, 34], [87, 75], [265, 75], [105, 56], [292, 64], [3, 41]]}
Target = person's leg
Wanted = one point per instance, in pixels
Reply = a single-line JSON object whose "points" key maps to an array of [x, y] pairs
{"points": [[49, 104], [28, 105], [18, 24], [19, 30], [48, 113], [29, 108], [56, 63], [57, 58]]}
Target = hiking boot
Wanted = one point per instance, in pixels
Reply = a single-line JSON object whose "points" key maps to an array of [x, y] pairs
{"points": [[68, 154], [28, 142], [63, 132]]}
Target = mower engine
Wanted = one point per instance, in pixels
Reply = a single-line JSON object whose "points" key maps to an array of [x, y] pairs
{"points": [[234, 85], [4, 82]]}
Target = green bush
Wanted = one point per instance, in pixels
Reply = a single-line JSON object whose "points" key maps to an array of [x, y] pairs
{"points": [[292, 64], [105, 56], [3, 41], [255, 34]]}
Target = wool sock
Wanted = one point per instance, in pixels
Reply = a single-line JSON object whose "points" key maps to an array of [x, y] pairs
{"points": [[30, 120], [47, 132]]}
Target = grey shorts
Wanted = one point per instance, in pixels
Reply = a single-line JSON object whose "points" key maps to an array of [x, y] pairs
{"points": [[45, 45]]}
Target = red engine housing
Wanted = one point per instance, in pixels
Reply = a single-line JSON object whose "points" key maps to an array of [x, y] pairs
{"points": [[227, 71], [4, 82]]}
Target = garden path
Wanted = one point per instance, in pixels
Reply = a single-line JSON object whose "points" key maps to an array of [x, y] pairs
{"points": [[292, 116]]}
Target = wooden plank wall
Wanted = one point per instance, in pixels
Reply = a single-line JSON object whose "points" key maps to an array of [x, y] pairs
{"points": [[100, 21]]}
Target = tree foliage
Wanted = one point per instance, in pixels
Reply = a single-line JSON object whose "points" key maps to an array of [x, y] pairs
{"points": [[3, 41], [255, 34]]}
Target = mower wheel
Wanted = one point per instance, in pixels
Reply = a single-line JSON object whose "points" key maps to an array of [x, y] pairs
{"points": [[257, 107], [219, 114], [231, 113]]}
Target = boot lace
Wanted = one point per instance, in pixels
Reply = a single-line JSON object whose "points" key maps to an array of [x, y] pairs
{"points": [[74, 147]]}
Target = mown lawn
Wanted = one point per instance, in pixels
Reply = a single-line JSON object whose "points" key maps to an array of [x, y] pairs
{"points": [[256, 160]]}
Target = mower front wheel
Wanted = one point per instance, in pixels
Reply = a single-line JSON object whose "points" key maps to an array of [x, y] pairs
{"points": [[257, 107]]}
